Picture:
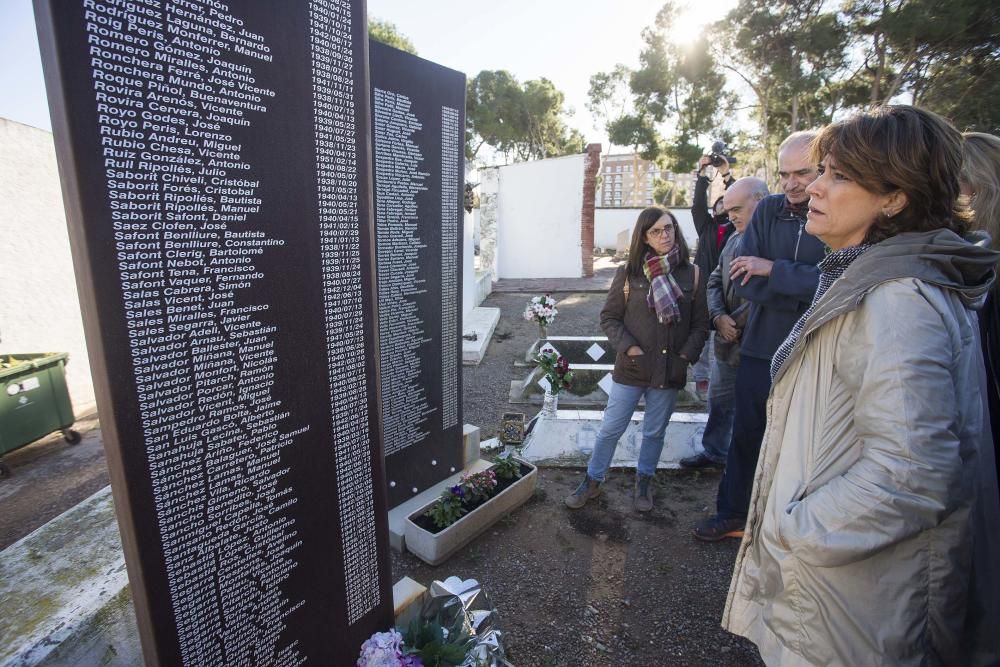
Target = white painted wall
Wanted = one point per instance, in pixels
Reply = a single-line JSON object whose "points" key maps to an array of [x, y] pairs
{"points": [[468, 270], [39, 308], [608, 222], [538, 219]]}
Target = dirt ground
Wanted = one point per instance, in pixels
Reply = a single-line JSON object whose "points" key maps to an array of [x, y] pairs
{"points": [[604, 585], [601, 586]]}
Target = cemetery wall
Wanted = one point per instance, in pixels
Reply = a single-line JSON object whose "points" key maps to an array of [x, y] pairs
{"points": [[538, 218], [39, 308], [609, 222]]}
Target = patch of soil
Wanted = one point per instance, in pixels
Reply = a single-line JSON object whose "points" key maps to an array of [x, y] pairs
{"points": [[604, 586]]}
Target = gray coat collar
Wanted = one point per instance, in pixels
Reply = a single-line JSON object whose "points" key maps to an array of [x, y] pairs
{"points": [[938, 257]]}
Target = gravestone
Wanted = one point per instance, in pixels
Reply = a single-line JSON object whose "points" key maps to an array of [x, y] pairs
{"points": [[214, 160], [418, 135]]}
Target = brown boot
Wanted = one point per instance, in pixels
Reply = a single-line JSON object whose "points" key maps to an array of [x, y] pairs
{"points": [[643, 498], [589, 488]]}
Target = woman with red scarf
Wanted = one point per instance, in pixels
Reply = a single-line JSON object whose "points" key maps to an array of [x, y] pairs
{"points": [[656, 318]]}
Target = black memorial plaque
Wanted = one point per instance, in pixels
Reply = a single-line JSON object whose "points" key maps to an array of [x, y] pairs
{"points": [[215, 167], [418, 134]]}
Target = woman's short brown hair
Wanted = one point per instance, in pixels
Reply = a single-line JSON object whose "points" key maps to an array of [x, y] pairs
{"points": [[906, 149]]}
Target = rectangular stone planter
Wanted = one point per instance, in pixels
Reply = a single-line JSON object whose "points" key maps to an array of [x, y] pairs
{"points": [[436, 548]]}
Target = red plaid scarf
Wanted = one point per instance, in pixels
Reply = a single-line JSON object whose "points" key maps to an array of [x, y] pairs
{"points": [[664, 292]]}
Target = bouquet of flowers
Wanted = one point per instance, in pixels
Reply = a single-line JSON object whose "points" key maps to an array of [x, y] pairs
{"points": [[385, 649], [556, 370], [541, 309], [457, 627]]}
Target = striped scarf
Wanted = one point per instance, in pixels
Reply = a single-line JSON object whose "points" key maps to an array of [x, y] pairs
{"points": [[664, 292]]}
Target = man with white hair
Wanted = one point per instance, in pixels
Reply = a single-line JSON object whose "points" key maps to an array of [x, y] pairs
{"points": [[728, 313], [776, 272]]}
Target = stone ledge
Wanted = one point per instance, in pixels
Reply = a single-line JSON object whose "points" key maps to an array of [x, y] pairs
{"points": [[568, 440], [64, 592], [481, 322]]}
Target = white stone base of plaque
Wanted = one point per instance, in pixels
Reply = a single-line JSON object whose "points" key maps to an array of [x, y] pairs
{"points": [[435, 548], [568, 440], [484, 286], [481, 322], [407, 599]]}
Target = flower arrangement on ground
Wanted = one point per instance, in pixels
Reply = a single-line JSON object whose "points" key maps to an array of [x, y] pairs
{"points": [[457, 627], [541, 309], [556, 370], [385, 649]]}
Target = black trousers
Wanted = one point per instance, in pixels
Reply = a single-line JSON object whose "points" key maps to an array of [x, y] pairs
{"points": [[753, 382]]}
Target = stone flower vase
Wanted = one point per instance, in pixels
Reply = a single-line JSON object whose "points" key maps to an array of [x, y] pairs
{"points": [[549, 405], [435, 548]]}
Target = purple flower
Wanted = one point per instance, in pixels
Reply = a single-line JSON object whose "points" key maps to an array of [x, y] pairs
{"points": [[381, 650], [457, 490], [411, 661]]}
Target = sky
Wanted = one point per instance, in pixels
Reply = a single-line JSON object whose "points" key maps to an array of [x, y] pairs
{"points": [[565, 41]]}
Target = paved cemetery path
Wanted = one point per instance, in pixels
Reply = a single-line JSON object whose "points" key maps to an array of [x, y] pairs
{"points": [[48, 477]]}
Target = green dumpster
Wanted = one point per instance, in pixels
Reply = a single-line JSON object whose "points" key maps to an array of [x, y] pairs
{"points": [[34, 400]]}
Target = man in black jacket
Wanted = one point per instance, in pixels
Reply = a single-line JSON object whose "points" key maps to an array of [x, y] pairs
{"points": [[706, 222], [776, 272], [714, 229]]}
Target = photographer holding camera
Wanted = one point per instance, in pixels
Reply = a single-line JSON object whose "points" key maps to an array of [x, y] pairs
{"points": [[712, 226], [714, 229]]}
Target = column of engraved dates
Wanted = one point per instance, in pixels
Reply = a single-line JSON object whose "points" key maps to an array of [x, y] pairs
{"points": [[451, 143], [334, 73]]}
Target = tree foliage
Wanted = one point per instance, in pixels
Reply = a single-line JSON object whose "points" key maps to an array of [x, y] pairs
{"points": [[798, 65], [520, 121], [675, 87], [388, 33]]}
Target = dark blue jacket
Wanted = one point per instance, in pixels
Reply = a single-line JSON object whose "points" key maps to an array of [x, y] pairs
{"points": [[780, 299]]}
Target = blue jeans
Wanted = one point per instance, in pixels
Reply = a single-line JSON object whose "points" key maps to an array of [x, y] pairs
{"points": [[621, 404], [721, 407]]}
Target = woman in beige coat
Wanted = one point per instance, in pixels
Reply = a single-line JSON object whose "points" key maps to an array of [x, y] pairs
{"points": [[865, 543]]}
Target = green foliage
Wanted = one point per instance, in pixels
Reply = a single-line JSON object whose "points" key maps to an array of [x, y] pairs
{"points": [[507, 467], [967, 91], [434, 646], [448, 509], [524, 122], [556, 371], [388, 33], [680, 87], [907, 43], [669, 194]]}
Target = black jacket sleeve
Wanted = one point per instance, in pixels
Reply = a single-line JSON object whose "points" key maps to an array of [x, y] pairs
{"points": [[699, 209]]}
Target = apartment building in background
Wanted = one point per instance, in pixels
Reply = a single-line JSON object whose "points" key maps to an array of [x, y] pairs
{"points": [[627, 181]]}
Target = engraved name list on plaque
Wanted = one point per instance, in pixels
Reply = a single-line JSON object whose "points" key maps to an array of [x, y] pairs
{"points": [[418, 122], [216, 180]]}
